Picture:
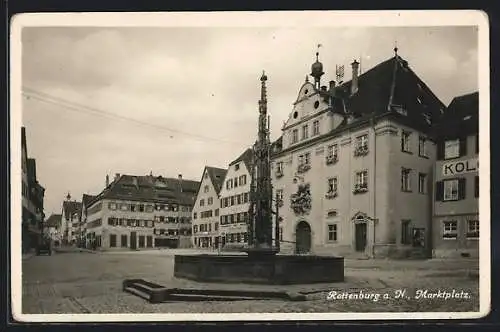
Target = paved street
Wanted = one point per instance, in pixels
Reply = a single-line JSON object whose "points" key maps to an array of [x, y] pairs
{"points": [[91, 283]]}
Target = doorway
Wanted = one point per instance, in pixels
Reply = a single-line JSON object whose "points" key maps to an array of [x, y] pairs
{"points": [[360, 234], [303, 238], [133, 240]]}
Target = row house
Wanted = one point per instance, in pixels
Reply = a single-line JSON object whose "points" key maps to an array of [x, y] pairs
{"points": [[32, 199], [206, 210], [141, 212], [52, 228], [354, 164], [234, 202], [456, 191]]}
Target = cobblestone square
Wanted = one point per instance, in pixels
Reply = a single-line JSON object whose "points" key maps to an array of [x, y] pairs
{"points": [[92, 283]]}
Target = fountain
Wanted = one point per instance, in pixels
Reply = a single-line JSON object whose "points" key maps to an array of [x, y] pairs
{"points": [[262, 263]]}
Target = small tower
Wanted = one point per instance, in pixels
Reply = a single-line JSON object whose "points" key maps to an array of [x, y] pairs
{"points": [[68, 197], [317, 72]]}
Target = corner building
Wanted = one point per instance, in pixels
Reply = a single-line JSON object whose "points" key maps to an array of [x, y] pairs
{"points": [[456, 199], [353, 166]]}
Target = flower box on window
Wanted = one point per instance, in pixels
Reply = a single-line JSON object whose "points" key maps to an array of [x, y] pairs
{"points": [[279, 174], [360, 188], [303, 168], [473, 235], [360, 151], [332, 159], [331, 195]]}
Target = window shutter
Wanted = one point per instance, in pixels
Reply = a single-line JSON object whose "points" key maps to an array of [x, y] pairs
{"points": [[439, 191], [476, 186], [461, 188], [463, 146], [440, 150]]}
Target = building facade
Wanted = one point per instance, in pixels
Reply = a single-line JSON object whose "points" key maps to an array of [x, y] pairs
{"points": [[137, 212], [456, 197], [32, 199], [354, 164], [70, 220], [52, 228], [234, 202], [206, 209]]}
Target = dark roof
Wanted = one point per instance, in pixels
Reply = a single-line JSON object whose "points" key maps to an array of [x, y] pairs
{"points": [[71, 207], [23, 140], [217, 176], [54, 220], [86, 199], [246, 157], [461, 118], [388, 86], [31, 165], [151, 188]]}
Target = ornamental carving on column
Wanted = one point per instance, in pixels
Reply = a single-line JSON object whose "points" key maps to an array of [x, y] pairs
{"points": [[300, 202]]}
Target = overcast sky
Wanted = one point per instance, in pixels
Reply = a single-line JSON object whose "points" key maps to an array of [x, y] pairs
{"points": [[197, 88]]}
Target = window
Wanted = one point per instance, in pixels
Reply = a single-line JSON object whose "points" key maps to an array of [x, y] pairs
{"points": [[235, 182], [232, 200], [450, 230], [216, 212], [279, 167], [238, 199], [141, 241], [305, 131], [332, 213], [141, 207], [279, 194], [210, 201], [473, 229], [132, 207], [422, 183], [476, 186], [405, 179], [236, 167], [243, 180], [422, 146], [112, 240], [149, 241], [305, 159], [332, 185], [202, 202], [405, 141], [451, 190], [245, 198], [362, 178], [405, 232], [206, 189], [332, 233], [332, 151], [112, 206], [362, 142], [315, 128], [295, 136], [194, 215], [452, 149], [123, 242], [216, 226]]}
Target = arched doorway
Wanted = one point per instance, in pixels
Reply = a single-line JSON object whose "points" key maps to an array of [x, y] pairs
{"points": [[360, 232], [303, 238]]}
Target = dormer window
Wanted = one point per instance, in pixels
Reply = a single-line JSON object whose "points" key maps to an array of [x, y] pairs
{"points": [[236, 167]]}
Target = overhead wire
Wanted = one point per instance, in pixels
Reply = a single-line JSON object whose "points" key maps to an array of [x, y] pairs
{"points": [[73, 106]]}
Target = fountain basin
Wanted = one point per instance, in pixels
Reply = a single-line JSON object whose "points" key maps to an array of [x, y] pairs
{"points": [[260, 269]]}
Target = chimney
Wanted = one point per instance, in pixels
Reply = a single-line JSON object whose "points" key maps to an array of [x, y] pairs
{"points": [[117, 175], [354, 82], [107, 180], [180, 176], [180, 181], [332, 86]]}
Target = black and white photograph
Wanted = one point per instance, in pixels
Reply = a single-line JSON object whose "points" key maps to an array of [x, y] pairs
{"points": [[312, 165]]}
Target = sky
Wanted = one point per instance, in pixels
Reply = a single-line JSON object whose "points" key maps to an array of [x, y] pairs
{"points": [[192, 93]]}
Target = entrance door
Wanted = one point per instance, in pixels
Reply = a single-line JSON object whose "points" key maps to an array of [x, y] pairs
{"points": [[303, 238], [133, 240], [361, 232]]}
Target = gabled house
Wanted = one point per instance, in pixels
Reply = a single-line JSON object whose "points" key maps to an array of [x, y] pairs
{"points": [[354, 163], [206, 210], [52, 228], [70, 220]]}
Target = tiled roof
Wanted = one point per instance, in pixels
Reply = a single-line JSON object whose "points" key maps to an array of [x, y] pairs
{"points": [[461, 118], [71, 207], [151, 189], [246, 157], [388, 86], [86, 199], [217, 176], [54, 220]]}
